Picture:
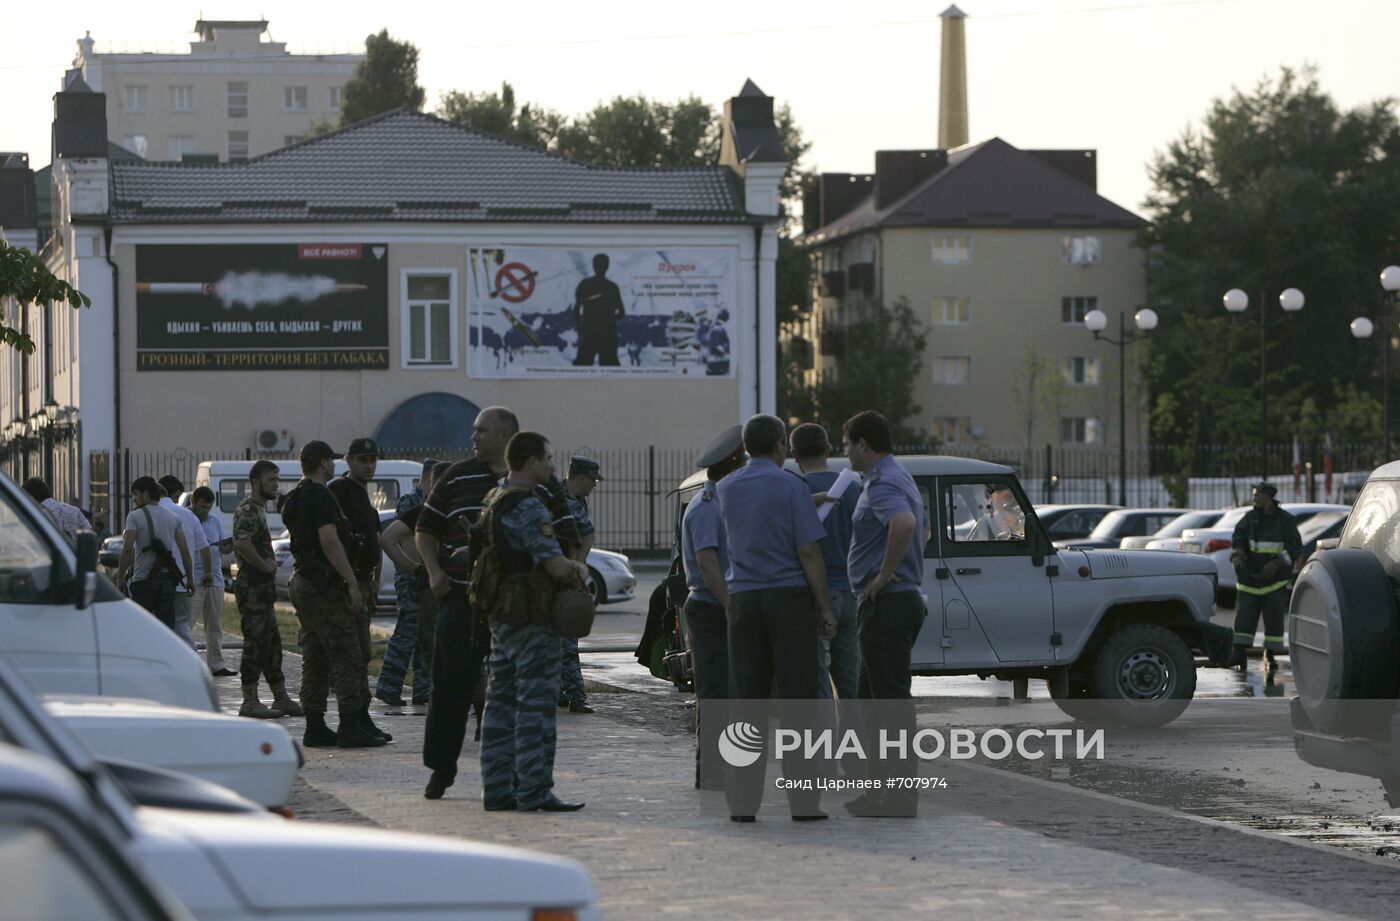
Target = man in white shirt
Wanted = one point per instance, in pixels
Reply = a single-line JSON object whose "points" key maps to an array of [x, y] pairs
{"points": [[208, 602], [153, 549], [199, 552]]}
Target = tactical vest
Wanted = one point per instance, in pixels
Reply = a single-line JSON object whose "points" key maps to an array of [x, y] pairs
{"points": [[506, 583], [311, 562]]}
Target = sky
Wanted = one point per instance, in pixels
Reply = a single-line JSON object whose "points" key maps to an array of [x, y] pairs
{"points": [[1123, 76]]}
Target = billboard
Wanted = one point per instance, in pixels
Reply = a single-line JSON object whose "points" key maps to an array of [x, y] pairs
{"points": [[607, 311], [298, 306]]}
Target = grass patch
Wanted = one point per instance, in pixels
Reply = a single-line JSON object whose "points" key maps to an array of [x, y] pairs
{"points": [[290, 629]]}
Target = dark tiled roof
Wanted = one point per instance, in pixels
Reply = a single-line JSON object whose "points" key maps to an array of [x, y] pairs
{"points": [[407, 166], [991, 184]]}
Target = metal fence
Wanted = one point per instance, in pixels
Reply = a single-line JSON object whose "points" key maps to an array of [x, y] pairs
{"points": [[633, 507]]}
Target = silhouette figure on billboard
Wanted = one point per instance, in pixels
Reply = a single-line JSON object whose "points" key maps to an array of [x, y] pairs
{"points": [[597, 311]]}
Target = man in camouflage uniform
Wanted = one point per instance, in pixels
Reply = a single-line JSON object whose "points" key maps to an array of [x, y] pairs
{"points": [[405, 647], [328, 604], [518, 732], [583, 477], [256, 592]]}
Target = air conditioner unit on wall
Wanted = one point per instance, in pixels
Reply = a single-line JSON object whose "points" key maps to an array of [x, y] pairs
{"points": [[270, 440]]}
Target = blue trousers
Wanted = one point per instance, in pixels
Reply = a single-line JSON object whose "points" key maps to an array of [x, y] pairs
{"points": [[517, 729], [571, 672], [403, 647]]}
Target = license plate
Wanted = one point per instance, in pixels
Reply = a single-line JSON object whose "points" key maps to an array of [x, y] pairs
{"points": [[1190, 547]]}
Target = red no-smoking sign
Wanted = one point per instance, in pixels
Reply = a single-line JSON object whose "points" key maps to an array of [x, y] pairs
{"points": [[515, 281]]}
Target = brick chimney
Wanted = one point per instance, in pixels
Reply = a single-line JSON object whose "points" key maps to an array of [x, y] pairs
{"points": [[952, 81]]}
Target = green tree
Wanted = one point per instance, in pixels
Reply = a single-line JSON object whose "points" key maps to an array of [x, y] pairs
{"points": [[1279, 187], [1038, 390], [637, 131], [25, 280], [498, 114], [386, 79], [881, 353]]}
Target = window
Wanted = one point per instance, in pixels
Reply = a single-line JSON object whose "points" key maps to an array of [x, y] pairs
{"points": [[333, 99], [294, 98], [951, 428], [134, 98], [983, 513], [430, 333], [1073, 309], [26, 559], [289, 139], [237, 146], [181, 98], [952, 311], [138, 144], [384, 495], [1081, 371], [42, 878], [1080, 430], [953, 250], [180, 145], [952, 370], [238, 99], [1080, 250]]}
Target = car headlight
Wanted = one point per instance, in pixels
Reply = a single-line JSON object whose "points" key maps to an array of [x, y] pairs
{"points": [[610, 563]]}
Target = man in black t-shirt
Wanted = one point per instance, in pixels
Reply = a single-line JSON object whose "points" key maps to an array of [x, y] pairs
{"points": [[352, 492], [327, 596]]}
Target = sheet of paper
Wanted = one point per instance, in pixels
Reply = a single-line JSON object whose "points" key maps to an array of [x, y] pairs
{"points": [[843, 480]]}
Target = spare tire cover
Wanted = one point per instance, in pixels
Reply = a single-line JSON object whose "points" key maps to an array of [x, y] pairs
{"points": [[1344, 643]]}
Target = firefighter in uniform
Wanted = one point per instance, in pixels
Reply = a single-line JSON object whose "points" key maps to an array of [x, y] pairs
{"points": [[1267, 549]]}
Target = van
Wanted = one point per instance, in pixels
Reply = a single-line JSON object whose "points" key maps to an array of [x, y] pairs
{"points": [[70, 630], [229, 481]]}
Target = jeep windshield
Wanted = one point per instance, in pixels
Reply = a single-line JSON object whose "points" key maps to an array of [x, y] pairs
{"points": [[1374, 524]]}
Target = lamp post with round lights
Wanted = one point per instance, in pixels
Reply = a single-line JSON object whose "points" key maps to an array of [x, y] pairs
{"points": [[1362, 328], [1236, 301], [1096, 321]]}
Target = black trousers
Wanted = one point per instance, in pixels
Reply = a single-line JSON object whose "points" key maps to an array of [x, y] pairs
{"points": [[772, 642], [888, 627], [709, 653], [457, 658], [156, 593]]}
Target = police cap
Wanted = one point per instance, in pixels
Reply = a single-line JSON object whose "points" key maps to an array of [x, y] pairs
{"points": [[1269, 488], [726, 445], [584, 466], [363, 447], [317, 450]]}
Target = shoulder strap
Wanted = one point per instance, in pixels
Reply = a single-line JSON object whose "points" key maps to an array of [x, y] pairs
{"points": [[150, 528]]}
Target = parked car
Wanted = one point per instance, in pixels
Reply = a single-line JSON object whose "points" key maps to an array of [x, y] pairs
{"points": [[256, 759], [1214, 541], [1344, 636], [1168, 537], [1066, 522], [233, 867], [1321, 531], [611, 573], [1121, 524], [1118, 643], [69, 629]]}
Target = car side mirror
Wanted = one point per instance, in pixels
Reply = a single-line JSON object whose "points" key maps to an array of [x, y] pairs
{"points": [[86, 577]]}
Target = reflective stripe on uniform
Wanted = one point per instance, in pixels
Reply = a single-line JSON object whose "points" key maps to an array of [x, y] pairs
{"points": [[1262, 590], [1266, 546]]}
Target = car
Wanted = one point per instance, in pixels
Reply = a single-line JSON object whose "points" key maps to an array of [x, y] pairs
{"points": [[1214, 541], [256, 759], [1120, 525], [1114, 634], [71, 631], [1168, 537], [1344, 643], [1321, 531], [238, 866], [1066, 522], [611, 574]]}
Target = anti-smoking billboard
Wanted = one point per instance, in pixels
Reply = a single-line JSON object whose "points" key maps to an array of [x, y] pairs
{"points": [[307, 306], [606, 311]]}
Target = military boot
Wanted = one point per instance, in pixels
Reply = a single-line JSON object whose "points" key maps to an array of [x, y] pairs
{"points": [[354, 732], [1270, 663], [282, 702], [255, 708], [318, 734], [369, 726]]}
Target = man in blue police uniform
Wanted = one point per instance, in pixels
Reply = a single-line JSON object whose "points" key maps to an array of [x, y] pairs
{"points": [[706, 559], [518, 730], [583, 476], [778, 608], [886, 567], [404, 650]]}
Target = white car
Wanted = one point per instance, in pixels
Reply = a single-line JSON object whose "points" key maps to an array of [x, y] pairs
{"points": [[1169, 537], [235, 867], [1214, 541], [256, 759]]}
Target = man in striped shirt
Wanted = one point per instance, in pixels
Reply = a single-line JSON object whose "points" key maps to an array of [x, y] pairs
{"points": [[442, 537]]}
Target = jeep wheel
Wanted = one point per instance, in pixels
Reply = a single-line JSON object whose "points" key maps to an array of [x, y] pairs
{"points": [[1344, 643], [1079, 703], [1143, 675]]}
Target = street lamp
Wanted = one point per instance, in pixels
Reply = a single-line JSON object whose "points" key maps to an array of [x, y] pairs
{"points": [[1096, 321], [1362, 328], [1236, 301]]}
